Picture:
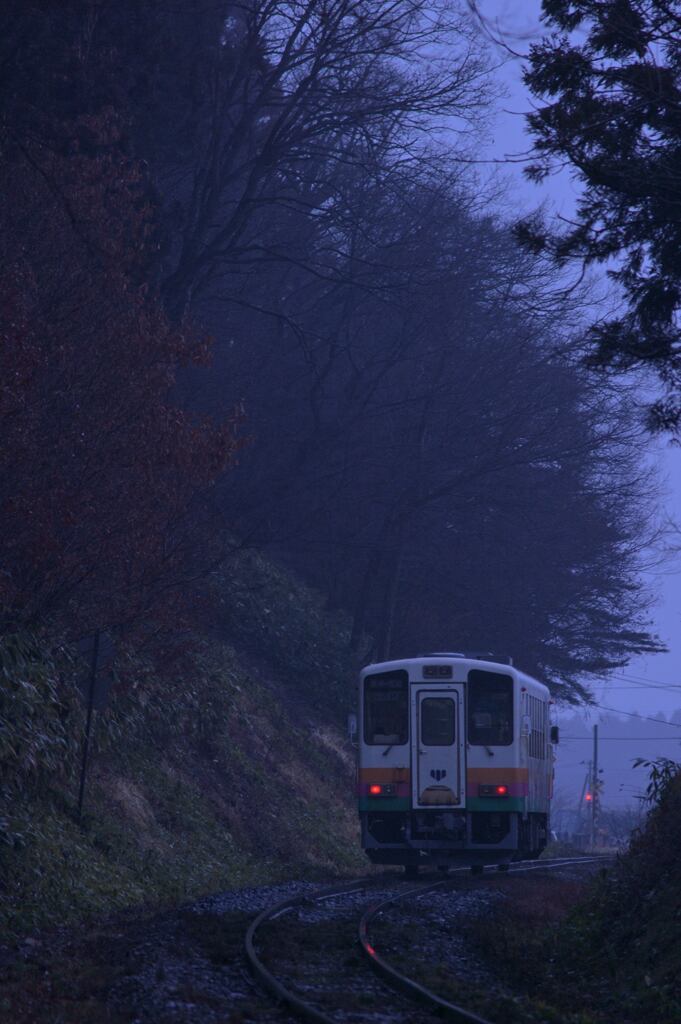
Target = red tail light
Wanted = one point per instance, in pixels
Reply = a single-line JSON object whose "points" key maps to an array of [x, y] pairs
{"points": [[492, 790], [374, 790]]}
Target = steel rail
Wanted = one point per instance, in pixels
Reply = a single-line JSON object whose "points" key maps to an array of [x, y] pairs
{"points": [[395, 978], [413, 988], [281, 993]]}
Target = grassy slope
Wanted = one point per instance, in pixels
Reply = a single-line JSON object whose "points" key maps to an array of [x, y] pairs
{"points": [[233, 774]]}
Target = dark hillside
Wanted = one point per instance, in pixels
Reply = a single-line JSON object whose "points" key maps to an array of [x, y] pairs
{"points": [[632, 925], [218, 771]]}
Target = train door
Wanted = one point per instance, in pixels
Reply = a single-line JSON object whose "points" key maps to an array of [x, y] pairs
{"points": [[438, 774]]}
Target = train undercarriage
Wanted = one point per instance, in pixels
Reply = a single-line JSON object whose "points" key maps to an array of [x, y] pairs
{"points": [[447, 837]]}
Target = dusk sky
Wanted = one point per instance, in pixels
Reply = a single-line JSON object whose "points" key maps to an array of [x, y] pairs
{"points": [[646, 685]]}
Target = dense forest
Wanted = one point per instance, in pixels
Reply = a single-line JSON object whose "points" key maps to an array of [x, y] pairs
{"points": [[253, 296], [289, 383]]}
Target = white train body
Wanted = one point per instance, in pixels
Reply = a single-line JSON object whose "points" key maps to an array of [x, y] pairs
{"points": [[455, 761]]}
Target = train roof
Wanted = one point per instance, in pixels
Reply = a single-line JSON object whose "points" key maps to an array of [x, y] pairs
{"points": [[455, 658]]}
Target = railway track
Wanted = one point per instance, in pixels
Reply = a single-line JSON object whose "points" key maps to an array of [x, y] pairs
{"points": [[415, 1001]]}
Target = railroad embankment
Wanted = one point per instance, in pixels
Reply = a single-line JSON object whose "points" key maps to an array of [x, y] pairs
{"points": [[228, 766], [627, 936], [612, 953]]}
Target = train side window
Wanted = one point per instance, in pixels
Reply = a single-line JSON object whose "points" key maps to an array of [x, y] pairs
{"points": [[537, 744], [437, 722], [490, 709], [386, 708]]}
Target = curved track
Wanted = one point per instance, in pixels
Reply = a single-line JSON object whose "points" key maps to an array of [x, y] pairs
{"points": [[389, 974], [284, 995], [412, 988]]}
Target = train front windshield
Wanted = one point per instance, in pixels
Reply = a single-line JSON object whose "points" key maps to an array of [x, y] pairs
{"points": [[386, 708], [490, 709]]}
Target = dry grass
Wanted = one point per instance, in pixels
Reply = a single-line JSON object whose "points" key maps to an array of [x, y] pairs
{"points": [[540, 941], [134, 808], [332, 740]]}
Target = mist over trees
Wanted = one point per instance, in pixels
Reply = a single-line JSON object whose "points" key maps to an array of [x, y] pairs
{"points": [[288, 178]]}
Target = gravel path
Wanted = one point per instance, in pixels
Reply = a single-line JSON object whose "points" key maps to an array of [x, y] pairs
{"points": [[175, 979]]}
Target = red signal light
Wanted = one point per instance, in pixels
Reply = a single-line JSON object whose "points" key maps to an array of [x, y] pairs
{"points": [[588, 798], [501, 790], [375, 790]]}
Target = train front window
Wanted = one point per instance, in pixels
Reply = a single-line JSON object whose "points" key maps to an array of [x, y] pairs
{"points": [[490, 709], [386, 708], [437, 721]]}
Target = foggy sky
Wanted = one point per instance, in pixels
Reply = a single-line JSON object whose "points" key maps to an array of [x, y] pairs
{"points": [[650, 685]]}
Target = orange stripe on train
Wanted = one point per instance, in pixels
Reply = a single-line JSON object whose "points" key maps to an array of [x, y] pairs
{"points": [[384, 775], [497, 775]]}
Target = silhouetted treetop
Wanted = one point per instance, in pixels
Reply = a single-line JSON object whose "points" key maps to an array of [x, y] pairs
{"points": [[608, 78]]}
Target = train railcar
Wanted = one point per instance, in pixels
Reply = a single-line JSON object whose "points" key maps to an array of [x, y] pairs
{"points": [[455, 762]]}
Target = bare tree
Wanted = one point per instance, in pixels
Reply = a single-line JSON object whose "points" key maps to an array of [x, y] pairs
{"points": [[289, 93]]}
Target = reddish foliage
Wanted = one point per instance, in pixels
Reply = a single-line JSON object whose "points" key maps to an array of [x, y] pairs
{"points": [[99, 468]]}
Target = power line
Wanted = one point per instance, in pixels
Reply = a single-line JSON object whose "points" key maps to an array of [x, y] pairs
{"points": [[658, 683], [563, 736], [650, 684], [633, 714], [641, 679], [640, 686]]}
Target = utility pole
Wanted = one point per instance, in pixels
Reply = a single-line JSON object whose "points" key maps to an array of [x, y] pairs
{"points": [[582, 798], [594, 789]]}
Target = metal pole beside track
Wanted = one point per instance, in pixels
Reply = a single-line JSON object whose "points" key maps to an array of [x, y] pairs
{"points": [[88, 723]]}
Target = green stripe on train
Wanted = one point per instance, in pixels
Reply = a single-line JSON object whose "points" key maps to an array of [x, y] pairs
{"points": [[506, 803], [403, 803], [384, 803]]}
